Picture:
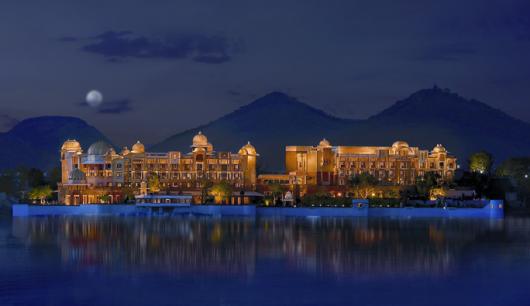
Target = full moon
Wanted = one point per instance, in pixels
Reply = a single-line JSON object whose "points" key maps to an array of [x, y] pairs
{"points": [[94, 98]]}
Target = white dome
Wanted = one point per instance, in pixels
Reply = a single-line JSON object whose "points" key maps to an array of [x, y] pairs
{"points": [[99, 148]]}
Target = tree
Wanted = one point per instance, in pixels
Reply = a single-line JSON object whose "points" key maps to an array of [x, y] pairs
{"points": [[128, 193], [104, 198], [221, 191], [8, 184], [481, 162], [363, 184], [205, 185], [517, 169], [40, 193], [276, 190], [53, 177], [30, 178], [153, 183], [425, 184], [478, 181]]}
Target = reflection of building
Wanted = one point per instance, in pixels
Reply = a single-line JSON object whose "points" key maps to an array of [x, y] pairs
{"points": [[102, 175], [332, 246], [172, 245], [327, 165]]}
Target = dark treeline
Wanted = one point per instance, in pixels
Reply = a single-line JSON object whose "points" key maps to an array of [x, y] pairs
{"points": [[30, 184]]}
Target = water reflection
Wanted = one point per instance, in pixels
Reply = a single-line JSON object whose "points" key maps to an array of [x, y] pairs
{"points": [[340, 247]]}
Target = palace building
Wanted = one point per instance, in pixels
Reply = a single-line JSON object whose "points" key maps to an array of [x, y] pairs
{"points": [[330, 166], [103, 175]]}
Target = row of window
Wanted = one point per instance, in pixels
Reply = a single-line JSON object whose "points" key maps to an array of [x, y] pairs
{"points": [[186, 167], [402, 165], [189, 176]]}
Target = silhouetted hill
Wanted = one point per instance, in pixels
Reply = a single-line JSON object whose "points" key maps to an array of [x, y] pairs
{"points": [[464, 126], [269, 123], [276, 120], [424, 119], [35, 142]]}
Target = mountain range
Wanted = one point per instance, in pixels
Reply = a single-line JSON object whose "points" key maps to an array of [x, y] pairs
{"points": [[36, 142], [425, 118]]}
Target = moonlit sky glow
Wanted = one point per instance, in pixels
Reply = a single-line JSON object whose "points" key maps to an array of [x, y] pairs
{"points": [[94, 98], [166, 66]]}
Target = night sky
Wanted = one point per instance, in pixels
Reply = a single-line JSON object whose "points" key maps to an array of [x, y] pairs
{"points": [[165, 66]]}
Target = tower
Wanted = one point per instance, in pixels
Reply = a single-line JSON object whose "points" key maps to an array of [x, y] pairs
{"points": [[248, 158], [70, 158]]}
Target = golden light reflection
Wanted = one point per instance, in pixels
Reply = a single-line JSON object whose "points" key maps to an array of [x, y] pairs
{"points": [[236, 246]]}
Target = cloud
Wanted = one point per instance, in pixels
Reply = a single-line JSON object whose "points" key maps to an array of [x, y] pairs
{"points": [[450, 52], [115, 107], [119, 45], [111, 107]]}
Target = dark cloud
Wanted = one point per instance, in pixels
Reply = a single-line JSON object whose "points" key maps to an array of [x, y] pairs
{"points": [[115, 107], [450, 52], [117, 45], [111, 107]]}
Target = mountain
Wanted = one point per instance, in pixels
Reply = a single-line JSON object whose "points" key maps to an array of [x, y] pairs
{"points": [[35, 142], [463, 125], [269, 123], [424, 119]]}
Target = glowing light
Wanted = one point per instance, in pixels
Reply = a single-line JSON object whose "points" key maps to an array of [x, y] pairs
{"points": [[94, 98]]}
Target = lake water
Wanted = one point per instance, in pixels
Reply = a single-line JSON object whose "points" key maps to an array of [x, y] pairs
{"points": [[278, 261]]}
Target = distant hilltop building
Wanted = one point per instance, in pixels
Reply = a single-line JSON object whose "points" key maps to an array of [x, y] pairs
{"points": [[330, 167], [102, 173]]}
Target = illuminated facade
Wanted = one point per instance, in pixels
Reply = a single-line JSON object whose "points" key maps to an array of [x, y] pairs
{"points": [[102, 175], [327, 165]]}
